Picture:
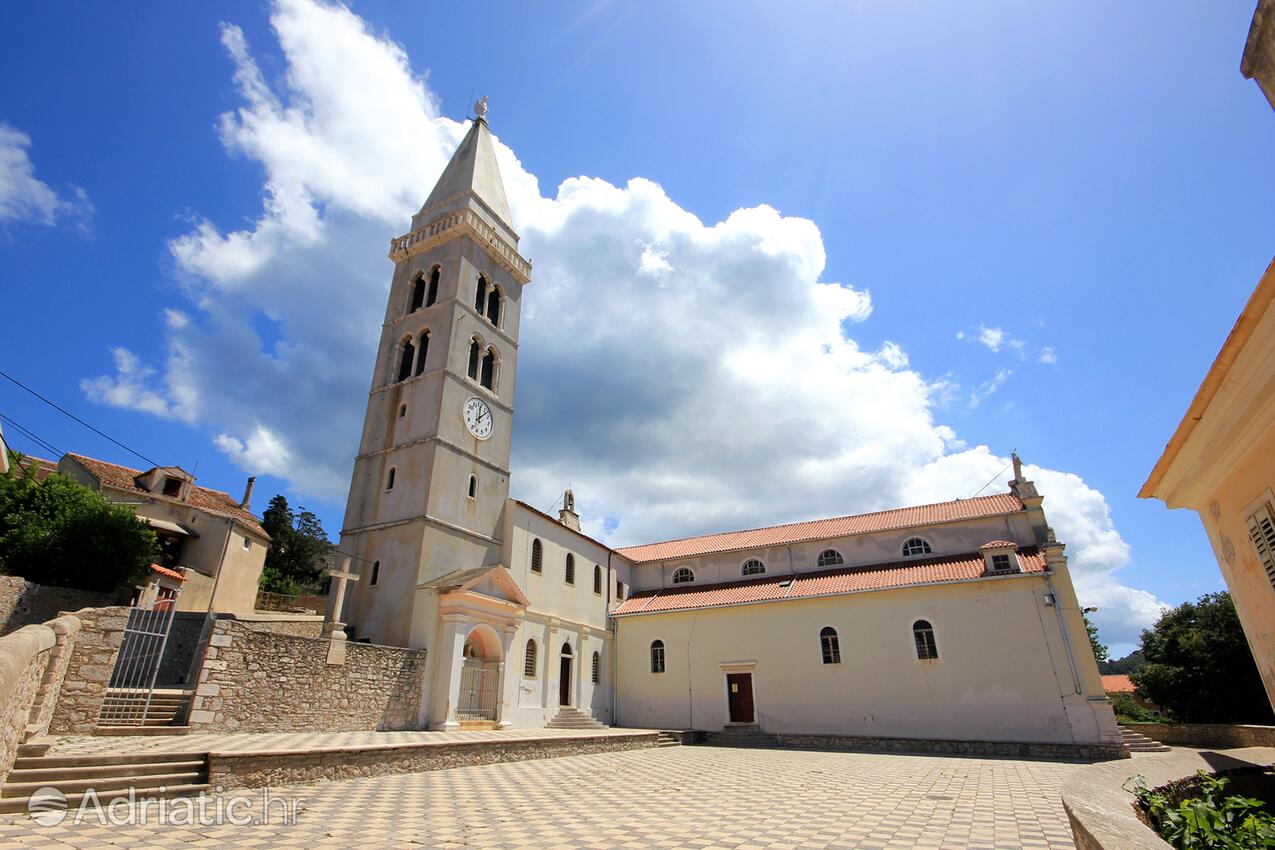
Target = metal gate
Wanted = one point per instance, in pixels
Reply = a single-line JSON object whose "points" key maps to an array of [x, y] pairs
{"points": [[478, 680], [132, 684]]}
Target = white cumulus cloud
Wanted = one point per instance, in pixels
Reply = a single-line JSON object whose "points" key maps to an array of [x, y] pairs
{"points": [[23, 196], [683, 375]]}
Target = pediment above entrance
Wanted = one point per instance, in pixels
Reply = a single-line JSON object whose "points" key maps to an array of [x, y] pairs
{"points": [[490, 582]]}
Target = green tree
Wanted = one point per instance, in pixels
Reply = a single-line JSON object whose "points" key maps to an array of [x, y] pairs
{"points": [[1199, 667], [58, 532], [1099, 649], [299, 549]]}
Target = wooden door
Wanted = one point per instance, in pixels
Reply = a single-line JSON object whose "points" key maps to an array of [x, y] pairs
{"points": [[564, 681], [739, 688]]}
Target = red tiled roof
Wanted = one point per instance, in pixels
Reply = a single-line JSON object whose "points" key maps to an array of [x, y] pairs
{"points": [[203, 498], [778, 535], [165, 571], [1117, 684], [998, 544], [823, 583], [37, 466]]}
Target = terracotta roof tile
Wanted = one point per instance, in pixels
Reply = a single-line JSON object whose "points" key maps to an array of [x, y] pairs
{"points": [[38, 466], [778, 535], [1117, 684], [999, 544], [203, 498], [823, 583], [165, 571]]}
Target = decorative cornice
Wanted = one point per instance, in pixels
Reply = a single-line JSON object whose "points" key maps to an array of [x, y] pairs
{"points": [[459, 223], [442, 441]]}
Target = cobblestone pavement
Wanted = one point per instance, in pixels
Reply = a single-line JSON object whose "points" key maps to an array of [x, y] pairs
{"points": [[694, 797]]}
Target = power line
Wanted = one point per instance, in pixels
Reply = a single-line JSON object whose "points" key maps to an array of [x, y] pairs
{"points": [[39, 441], [993, 478], [68, 413]]}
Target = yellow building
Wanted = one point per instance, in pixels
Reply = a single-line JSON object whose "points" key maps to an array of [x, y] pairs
{"points": [[1221, 464]]}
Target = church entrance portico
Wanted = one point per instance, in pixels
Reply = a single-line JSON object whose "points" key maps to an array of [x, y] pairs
{"points": [[479, 677]]}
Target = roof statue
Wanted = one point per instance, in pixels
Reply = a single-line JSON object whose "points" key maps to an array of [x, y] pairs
{"points": [[1018, 465], [480, 108]]}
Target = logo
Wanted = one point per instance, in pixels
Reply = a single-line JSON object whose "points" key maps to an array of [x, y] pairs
{"points": [[47, 806]]}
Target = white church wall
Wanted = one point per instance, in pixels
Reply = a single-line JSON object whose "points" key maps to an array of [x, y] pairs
{"points": [[995, 678]]}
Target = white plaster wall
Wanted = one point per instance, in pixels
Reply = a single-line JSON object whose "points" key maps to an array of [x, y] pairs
{"points": [[1001, 674]]}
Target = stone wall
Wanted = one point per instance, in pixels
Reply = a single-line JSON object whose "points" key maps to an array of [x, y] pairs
{"points": [[297, 625], [253, 681], [1016, 749], [88, 670], [1222, 736], [24, 603], [32, 660]]}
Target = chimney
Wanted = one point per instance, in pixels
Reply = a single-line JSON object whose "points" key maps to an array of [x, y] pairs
{"points": [[247, 492]]}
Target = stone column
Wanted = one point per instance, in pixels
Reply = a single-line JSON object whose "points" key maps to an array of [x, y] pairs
{"points": [[447, 673], [509, 668]]}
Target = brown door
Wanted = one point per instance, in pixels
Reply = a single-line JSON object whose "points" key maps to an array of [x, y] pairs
{"points": [[564, 681], [739, 686]]}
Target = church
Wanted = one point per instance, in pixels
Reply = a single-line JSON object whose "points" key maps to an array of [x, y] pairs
{"points": [[954, 621]]}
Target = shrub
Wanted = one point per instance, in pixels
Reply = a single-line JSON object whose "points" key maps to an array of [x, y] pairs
{"points": [[1128, 711], [1208, 821]]}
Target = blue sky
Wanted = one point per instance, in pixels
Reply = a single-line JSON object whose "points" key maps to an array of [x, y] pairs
{"points": [[1081, 182]]}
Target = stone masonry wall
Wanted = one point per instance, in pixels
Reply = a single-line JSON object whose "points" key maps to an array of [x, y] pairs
{"points": [[310, 627], [24, 603], [29, 665], [89, 669], [1222, 736], [254, 681]]}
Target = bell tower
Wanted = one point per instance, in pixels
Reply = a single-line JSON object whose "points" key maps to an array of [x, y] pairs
{"points": [[431, 477]]}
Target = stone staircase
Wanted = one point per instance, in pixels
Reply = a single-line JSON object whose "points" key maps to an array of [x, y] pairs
{"points": [[167, 706], [1136, 742], [740, 736], [670, 739], [574, 718], [109, 776]]}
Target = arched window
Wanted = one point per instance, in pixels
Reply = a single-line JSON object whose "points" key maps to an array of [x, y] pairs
{"points": [[402, 411], [537, 556], [376, 572], [422, 351], [831, 648], [916, 546], [830, 558], [529, 660], [683, 575], [752, 567], [418, 294], [570, 574], [923, 636], [473, 486], [657, 656], [406, 360], [597, 668], [493, 306], [489, 369], [480, 296], [389, 479], [432, 297], [597, 579], [475, 352]]}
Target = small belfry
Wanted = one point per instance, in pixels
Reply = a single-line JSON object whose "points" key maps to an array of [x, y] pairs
{"points": [[432, 472]]}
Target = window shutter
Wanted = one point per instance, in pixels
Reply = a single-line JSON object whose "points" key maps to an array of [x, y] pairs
{"points": [[1261, 530]]}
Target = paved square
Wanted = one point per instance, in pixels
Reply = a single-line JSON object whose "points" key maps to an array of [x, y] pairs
{"points": [[693, 797]]}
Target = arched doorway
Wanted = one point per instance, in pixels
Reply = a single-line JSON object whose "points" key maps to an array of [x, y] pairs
{"points": [[564, 675], [479, 677]]}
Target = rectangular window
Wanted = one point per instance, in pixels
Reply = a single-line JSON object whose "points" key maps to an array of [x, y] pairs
{"points": [[1000, 562], [172, 487], [619, 590], [247, 544], [1261, 530]]}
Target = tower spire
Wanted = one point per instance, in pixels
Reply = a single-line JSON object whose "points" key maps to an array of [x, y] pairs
{"points": [[473, 172]]}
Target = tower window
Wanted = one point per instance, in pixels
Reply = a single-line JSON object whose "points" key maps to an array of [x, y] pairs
{"points": [[597, 668], [537, 556], [570, 574], [489, 369], [389, 479], [916, 546], [418, 294], [423, 352], [752, 567], [493, 306], [475, 352], [619, 590], [473, 486], [402, 411], [830, 558], [529, 660], [376, 573], [923, 636], [480, 296], [597, 579], [830, 645], [432, 297], [406, 360], [683, 575]]}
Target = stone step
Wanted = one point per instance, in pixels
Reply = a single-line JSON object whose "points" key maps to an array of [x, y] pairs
{"points": [[19, 804], [105, 783], [97, 759], [50, 774], [142, 730]]}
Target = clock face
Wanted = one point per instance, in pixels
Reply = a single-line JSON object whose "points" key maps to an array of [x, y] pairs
{"points": [[478, 418]]}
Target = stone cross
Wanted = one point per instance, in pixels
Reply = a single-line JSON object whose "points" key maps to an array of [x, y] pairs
{"points": [[333, 628]]}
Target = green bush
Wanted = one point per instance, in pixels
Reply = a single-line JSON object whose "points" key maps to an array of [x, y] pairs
{"points": [[1209, 820], [1128, 711]]}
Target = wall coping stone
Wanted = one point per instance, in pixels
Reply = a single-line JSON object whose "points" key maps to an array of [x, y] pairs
{"points": [[16, 651], [1103, 814]]}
